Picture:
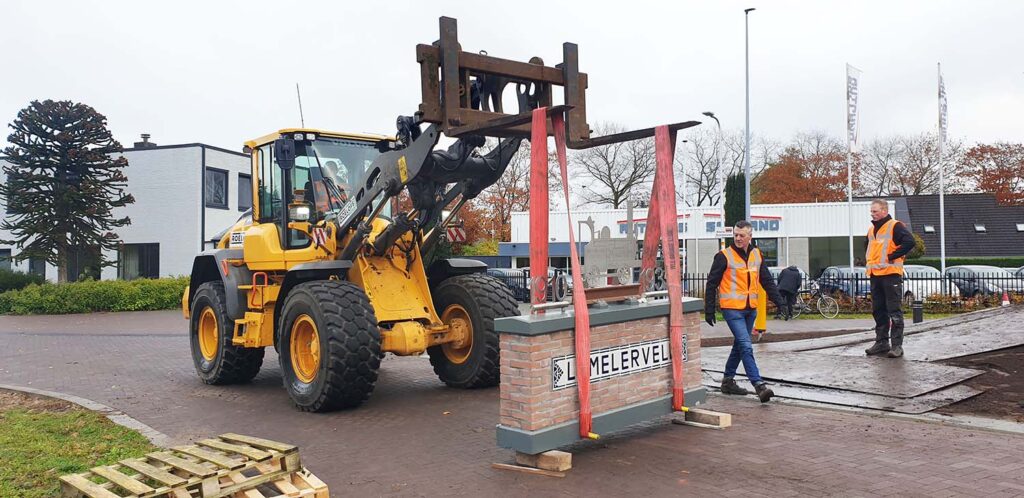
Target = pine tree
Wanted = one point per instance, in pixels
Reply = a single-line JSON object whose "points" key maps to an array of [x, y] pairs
{"points": [[63, 183], [735, 199]]}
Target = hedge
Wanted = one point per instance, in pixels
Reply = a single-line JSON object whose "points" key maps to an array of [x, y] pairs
{"points": [[1006, 261], [13, 280], [92, 296]]}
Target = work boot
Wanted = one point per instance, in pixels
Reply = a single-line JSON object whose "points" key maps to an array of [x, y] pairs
{"points": [[729, 386], [764, 393], [879, 348], [897, 337], [881, 345]]}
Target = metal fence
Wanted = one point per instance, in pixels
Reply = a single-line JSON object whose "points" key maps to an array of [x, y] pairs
{"points": [[855, 289]]}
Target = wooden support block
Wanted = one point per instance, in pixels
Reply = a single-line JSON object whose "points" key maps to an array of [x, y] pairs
{"points": [[527, 470], [554, 460], [705, 418]]}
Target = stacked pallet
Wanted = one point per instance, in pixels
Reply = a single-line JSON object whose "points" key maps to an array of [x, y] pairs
{"points": [[231, 465]]}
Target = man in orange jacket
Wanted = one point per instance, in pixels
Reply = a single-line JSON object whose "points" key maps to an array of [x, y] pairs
{"points": [[888, 242], [739, 276]]}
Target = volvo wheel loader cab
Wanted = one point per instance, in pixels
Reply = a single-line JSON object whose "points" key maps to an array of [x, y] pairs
{"points": [[323, 271]]}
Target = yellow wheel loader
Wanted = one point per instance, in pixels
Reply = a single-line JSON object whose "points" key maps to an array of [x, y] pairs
{"points": [[326, 272]]}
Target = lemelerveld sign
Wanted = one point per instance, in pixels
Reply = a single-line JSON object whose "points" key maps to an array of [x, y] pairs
{"points": [[614, 362]]}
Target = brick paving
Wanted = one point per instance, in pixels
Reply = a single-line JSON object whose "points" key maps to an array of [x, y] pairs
{"points": [[403, 443]]}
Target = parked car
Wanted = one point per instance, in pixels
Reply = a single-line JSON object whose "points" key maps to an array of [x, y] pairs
{"points": [[1017, 271], [805, 282], [515, 279], [975, 280], [921, 281], [840, 280]]}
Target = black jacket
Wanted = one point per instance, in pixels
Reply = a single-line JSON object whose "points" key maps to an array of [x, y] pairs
{"points": [[718, 267], [902, 237], [790, 279]]}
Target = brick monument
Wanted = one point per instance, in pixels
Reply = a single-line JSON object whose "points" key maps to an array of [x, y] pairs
{"points": [[630, 372]]}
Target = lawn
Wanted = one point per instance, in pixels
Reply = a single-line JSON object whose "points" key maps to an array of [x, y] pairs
{"points": [[41, 441]]}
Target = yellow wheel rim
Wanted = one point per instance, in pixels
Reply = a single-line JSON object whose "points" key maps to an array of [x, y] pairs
{"points": [[208, 333], [305, 349], [457, 318]]}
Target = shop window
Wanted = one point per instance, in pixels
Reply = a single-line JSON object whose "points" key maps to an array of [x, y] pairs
{"points": [[216, 194], [138, 261], [83, 263], [37, 266], [244, 192]]}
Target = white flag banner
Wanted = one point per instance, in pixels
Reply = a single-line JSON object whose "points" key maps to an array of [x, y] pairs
{"points": [[852, 109], [943, 119]]}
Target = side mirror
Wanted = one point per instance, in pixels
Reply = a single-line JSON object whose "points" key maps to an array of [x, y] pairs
{"points": [[299, 212], [284, 153]]}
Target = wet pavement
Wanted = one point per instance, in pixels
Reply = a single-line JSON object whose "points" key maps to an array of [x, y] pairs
{"points": [[416, 437], [835, 370]]}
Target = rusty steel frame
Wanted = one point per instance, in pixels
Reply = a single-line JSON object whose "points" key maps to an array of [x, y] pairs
{"points": [[447, 72]]}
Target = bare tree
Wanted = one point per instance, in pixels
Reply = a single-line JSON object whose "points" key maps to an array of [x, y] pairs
{"points": [[614, 171], [510, 193], [879, 159], [707, 158], [918, 172]]}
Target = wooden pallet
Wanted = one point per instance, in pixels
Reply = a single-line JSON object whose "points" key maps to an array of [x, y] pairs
{"points": [[230, 465]]}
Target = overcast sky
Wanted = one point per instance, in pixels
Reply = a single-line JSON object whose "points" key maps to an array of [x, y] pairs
{"points": [[224, 72]]}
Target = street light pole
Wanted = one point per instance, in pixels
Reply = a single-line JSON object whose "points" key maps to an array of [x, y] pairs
{"points": [[747, 150]]}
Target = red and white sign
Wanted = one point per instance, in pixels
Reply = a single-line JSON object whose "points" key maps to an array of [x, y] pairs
{"points": [[456, 234], [319, 236]]}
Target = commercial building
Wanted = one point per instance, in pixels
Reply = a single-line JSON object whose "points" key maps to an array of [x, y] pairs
{"points": [[976, 225], [811, 236], [184, 195]]}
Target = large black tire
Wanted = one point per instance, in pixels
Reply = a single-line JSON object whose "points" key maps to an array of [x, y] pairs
{"points": [[484, 298], [230, 364], [349, 345]]}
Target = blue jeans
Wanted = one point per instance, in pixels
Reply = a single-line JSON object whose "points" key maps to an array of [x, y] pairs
{"points": [[741, 324]]}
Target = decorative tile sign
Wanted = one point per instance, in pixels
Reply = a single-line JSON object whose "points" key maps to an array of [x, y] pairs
{"points": [[614, 362]]}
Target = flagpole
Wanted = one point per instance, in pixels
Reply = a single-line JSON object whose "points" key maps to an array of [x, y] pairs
{"points": [[942, 176], [853, 138]]}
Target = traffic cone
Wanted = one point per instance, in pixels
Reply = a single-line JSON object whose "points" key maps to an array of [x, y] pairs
{"points": [[1006, 299]]}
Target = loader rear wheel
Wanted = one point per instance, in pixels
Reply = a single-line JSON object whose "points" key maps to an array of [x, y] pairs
{"points": [[470, 304], [329, 346], [216, 359]]}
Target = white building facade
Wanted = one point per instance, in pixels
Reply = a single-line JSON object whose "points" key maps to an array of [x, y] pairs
{"points": [[810, 236], [184, 195]]}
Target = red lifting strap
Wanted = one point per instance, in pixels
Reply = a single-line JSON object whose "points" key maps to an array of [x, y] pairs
{"points": [[539, 207], [539, 247], [663, 224], [668, 225]]}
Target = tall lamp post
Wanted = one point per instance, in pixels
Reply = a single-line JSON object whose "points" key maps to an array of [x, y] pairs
{"points": [[746, 150], [721, 171]]}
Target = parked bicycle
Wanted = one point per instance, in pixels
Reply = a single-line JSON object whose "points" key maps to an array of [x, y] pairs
{"points": [[812, 300]]}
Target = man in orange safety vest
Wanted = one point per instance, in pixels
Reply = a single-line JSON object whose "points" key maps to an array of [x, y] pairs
{"points": [[739, 276], [888, 242]]}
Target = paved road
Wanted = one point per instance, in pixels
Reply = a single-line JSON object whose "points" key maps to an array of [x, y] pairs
{"points": [[402, 443]]}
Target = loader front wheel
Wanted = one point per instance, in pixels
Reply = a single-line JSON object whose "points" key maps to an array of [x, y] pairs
{"points": [[216, 358], [469, 304], [329, 347]]}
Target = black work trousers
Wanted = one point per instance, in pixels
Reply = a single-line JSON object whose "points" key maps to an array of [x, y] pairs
{"points": [[886, 301], [790, 299]]}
